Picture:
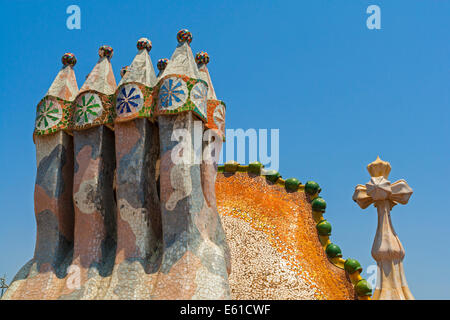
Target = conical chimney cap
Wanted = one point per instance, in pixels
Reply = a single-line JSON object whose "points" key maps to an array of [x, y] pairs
{"points": [[182, 61], [101, 78], [202, 59], [65, 84], [141, 69]]}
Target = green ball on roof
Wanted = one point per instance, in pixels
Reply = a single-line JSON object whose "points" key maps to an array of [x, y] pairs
{"points": [[255, 167], [318, 204], [363, 288], [272, 175], [333, 251], [312, 188], [291, 184], [352, 265], [324, 228]]}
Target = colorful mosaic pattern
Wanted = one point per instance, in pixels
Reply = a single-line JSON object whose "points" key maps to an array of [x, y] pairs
{"points": [[219, 117], [123, 71], [179, 93], [52, 115], [105, 51], [199, 96], [285, 219], [134, 100], [68, 59], [88, 108], [172, 93], [144, 43], [91, 109], [184, 35], [162, 64], [129, 100], [48, 115], [318, 205], [202, 58], [216, 116]]}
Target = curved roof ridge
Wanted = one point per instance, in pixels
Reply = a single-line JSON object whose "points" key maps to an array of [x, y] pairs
{"points": [[318, 205]]}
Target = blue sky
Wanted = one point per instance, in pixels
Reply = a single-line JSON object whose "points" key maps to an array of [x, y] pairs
{"points": [[340, 94]]}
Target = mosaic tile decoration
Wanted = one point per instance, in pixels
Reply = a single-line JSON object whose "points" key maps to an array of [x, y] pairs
{"points": [[285, 219], [173, 94], [123, 71], [162, 64], [69, 59], [199, 94], [216, 117], [311, 190], [202, 57], [179, 93], [144, 43], [52, 114], [184, 35], [92, 108], [106, 51], [134, 100]]}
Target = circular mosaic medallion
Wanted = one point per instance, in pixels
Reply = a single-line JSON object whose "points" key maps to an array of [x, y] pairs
{"points": [[88, 108], [129, 100], [172, 94], [199, 96], [49, 114], [219, 117]]}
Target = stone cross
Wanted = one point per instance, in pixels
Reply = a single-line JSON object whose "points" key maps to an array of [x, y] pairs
{"points": [[387, 249]]}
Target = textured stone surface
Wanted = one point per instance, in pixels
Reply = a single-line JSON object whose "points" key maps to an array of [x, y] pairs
{"points": [[275, 253], [95, 212], [387, 249], [54, 218], [139, 234], [101, 78], [208, 169], [65, 85], [119, 218], [260, 271], [279, 227], [191, 253]]}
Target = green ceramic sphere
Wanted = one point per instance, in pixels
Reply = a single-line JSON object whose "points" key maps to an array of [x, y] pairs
{"points": [[255, 167], [333, 251], [318, 204], [231, 166], [272, 175], [312, 188], [363, 288], [324, 228], [291, 184], [352, 265]]}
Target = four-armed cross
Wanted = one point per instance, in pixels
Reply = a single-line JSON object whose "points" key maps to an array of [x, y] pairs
{"points": [[387, 249]]}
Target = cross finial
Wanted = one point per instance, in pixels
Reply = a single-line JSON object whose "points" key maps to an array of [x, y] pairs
{"points": [[379, 168], [387, 249], [380, 189]]}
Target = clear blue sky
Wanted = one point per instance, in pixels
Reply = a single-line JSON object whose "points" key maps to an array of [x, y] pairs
{"points": [[339, 93]]}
